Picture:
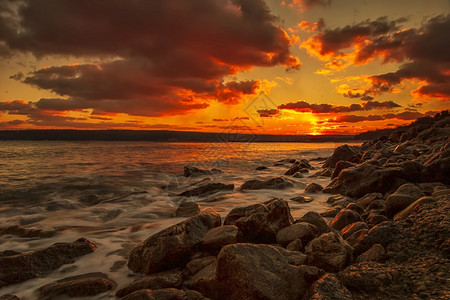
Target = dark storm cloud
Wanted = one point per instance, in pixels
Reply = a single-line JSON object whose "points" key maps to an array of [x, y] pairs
{"points": [[268, 113], [302, 106], [165, 57]]}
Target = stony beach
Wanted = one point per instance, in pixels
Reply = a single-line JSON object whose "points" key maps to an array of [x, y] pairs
{"points": [[386, 234]]}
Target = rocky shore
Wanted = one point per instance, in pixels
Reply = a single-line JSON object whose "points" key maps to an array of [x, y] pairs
{"points": [[386, 234]]}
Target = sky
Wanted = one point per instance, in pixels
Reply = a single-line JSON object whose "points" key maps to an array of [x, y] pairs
{"points": [[248, 66]]}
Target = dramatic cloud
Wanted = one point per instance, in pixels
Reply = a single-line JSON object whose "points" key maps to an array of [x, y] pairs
{"points": [[307, 4], [406, 115], [302, 106], [268, 113], [164, 57], [423, 53]]}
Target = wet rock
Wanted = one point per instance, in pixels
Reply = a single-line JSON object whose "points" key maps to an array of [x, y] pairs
{"points": [[297, 166], [335, 199], [377, 205], [24, 266], [344, 152], [173, 246], [328, 287], [344, 218], [329, 252], [352, 228], [302, 199], [295, 245], [383, 234], [358, 209], [298, 175], [367, 199], [193, 171], [21, 231], [260, 168], [303, 231], [330, 213], [294, 258], [313, 188], [315, 219], [374, 219], [246, 270], [277, 183], [170, 279], [85, 286], [356, 237], [207, 190], [205, 281], [221, 236], [165, 294], [261, 222], [311, 273], [324, 173], [413, 206], [341, 165], [365, 178], [187, 209], [376, 253], [402, 198], [200, 263]]}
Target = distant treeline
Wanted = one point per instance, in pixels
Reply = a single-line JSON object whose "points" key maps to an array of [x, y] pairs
{"points": [[160, 136]]}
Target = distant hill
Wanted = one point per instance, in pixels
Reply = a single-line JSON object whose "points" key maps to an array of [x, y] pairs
{"points": [[160, 136]]}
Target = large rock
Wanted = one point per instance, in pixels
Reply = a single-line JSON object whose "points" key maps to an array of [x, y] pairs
{"points": [[363, 179], [376, 253], [277, 183], [187, 209], [165, 294], [344, 152], [402, 198], [352, 228], [317, 220], [248, 271], [383, 234], [221, 236], [205, 280], [313, 188], [367, 199], [343, 218], [341, 165], [302, 231], [437, 167], [84, 286], [328, 287], [413, 206], [207, 189], [21, 267], [297, 166], [329, 252], [193, 171], [171, 279], [261, 222], [173, 246]]}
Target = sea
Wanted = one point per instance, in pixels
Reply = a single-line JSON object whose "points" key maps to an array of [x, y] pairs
{"points": [[117, 194]]}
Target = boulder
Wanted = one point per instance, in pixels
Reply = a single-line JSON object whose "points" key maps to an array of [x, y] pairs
{"points": [[207, 190], [331, 212], [298, 175], [170, 279], [23, 232], [205, 281], [327, 287], [276, 183], [352, 228], [313, 188], [344, 218], [311, 273], [437, 167], [21, 267], [376, 253], [383, 234], [357, 236], [402, 198], [297, 166], [260, 222], [187, 209], [344, 152], [367, 199], [413, 206], [365, 178], [358, 209], [302, 199], [374, 219], [260, 168], [317, 220], [165, 294], [200, 263], [246, 271], [295, 245], [294, 258], [173, 246], [329, 252], [221, 236], [193, 172], [303, 231], [84, 286], [341, 165]]}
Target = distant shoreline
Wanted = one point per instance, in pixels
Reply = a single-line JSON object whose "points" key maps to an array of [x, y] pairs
{"points": [[162, 136]]}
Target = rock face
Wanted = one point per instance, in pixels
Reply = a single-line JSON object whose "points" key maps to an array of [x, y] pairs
{"points": [[343, 218], [363, 179], [83, 287], [328, 287], [153, 282], [207, 189], [329, 252], [402, 198], [341, 165], [221, 236], [313, 188], [247, 271], [21, 267], [344, 152], [193, 171], [261, 222], [277, 183], [302, 231], [173, 246]]}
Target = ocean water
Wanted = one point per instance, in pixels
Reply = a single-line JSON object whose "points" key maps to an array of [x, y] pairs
{"points": [[117, 194]]}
